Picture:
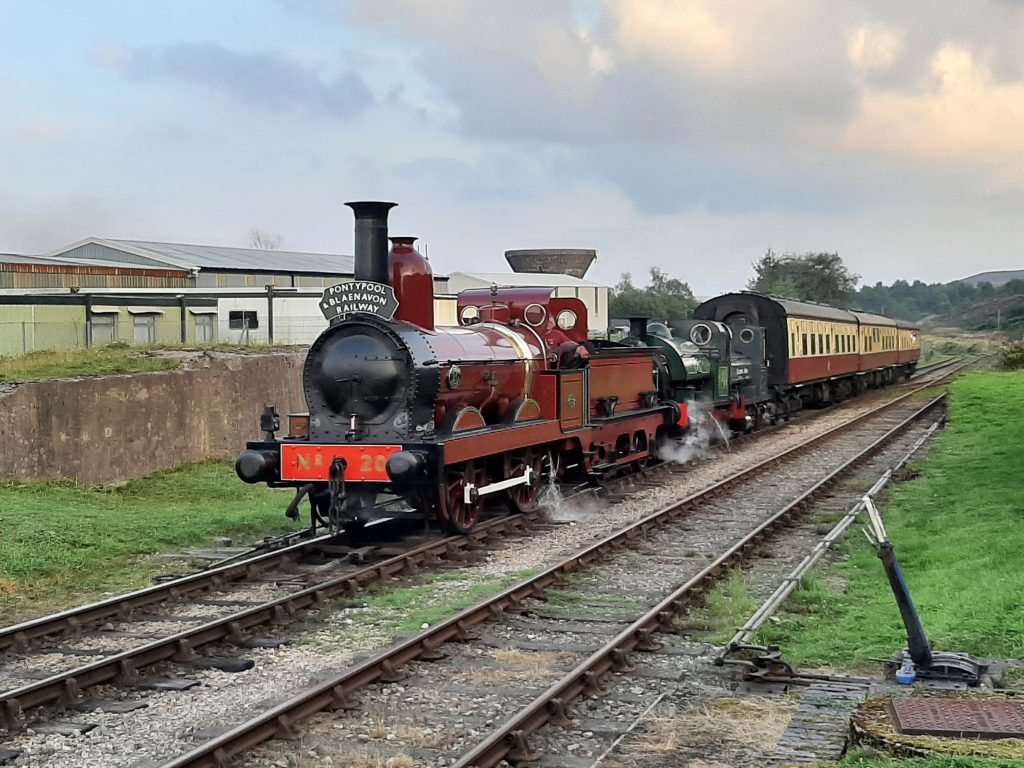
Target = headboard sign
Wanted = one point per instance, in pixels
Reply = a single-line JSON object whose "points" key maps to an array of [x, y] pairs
{"points": [[341, 300]]}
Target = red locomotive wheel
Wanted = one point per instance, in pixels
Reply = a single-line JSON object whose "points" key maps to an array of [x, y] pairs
{"points": [[523, 498], [454, 513]]}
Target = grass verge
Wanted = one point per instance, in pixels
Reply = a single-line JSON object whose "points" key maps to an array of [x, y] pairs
{"points": [[955, 530], [63, 544], [62, 364], [115, 358], [868, 759]]}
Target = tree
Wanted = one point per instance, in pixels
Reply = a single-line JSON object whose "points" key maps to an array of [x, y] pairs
{"points": [[820, 277], [666, 299], [268, 241]]}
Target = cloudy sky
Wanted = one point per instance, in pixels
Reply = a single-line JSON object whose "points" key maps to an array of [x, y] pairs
{"points": [[685, 134]]}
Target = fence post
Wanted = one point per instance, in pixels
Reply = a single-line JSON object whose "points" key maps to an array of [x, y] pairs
{"points": [[270, 314], [24, 337], [88, 320]]}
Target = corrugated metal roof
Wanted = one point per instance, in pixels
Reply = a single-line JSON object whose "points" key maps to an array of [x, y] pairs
{"points": [[52, 262], [528, 279], [214, 257], [15, 258]]}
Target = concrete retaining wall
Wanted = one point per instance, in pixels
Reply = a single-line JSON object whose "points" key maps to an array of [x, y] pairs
{"points": [[116, 428]]}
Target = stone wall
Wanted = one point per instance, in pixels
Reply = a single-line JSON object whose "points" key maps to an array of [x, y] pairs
{"points": [[116, 428]]}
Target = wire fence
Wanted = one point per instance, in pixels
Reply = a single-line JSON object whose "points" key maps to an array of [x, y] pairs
{"points": [[22, 337]]}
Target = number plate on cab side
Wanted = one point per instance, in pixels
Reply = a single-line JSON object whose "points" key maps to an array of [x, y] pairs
{"points": [[313, 462]]}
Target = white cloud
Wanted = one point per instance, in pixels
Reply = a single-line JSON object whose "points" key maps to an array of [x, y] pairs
{"points": [[687, 33], [964, 119], [874, 46]]}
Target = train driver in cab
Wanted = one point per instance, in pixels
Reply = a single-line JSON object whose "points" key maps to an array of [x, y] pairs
{"points": [[569, 353]]}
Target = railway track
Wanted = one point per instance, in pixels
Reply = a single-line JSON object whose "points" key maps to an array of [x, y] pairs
{"points": [[765, 497], [65, 687]]}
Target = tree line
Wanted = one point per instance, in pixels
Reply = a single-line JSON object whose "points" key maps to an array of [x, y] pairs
{"points": [[824, 278]]}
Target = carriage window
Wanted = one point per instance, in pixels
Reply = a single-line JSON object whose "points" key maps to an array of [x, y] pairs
{"points": [[814, 344], [828, 343], [805, 344]]}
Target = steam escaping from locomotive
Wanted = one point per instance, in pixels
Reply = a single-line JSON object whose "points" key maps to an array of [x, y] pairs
{"points": [[704, 430]]}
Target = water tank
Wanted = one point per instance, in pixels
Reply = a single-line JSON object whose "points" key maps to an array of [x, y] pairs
{"points": [[558, 261]]}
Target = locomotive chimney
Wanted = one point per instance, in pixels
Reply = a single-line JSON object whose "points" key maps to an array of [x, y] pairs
{"points": [[371, 241], [638, 328]]}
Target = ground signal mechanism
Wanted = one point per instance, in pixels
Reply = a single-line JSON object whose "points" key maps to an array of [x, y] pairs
{"points": [[917, 659]]}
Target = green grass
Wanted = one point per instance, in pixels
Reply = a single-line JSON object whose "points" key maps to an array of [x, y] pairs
{"points": [[101, 361], [108, 360], [862, 759], [435, 598], [63, 544], [956, 532], [725, 609]]}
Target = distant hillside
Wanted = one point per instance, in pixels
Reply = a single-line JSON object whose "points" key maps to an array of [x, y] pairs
{"points": [[1004, 313], [996, 278]]}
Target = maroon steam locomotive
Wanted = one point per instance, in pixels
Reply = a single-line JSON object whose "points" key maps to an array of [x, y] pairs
{"points": [[446, 417]]}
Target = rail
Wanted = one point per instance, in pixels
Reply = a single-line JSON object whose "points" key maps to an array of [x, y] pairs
{"points": [[339, 691]]}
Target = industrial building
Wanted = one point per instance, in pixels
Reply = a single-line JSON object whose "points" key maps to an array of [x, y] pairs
{"points": [[17, 271], [212, 266], [100, 290]]}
